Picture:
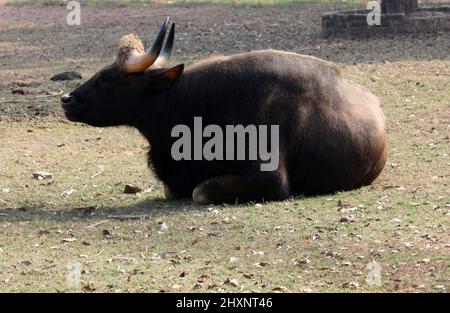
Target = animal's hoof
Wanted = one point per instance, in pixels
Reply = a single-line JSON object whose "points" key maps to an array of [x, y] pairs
{"points": [[169, 195]]}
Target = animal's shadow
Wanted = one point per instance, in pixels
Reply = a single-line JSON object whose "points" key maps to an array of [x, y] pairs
{"points": [[148, 208]]}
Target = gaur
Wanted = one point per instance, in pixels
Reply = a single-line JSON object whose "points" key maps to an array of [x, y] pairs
{"points": [[331, 131]]}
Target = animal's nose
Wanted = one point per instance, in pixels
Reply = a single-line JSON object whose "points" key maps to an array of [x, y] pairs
{"points": [[66, 99]]}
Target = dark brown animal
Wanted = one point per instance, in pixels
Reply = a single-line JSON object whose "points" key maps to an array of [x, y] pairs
{"points": [[331, 131]]}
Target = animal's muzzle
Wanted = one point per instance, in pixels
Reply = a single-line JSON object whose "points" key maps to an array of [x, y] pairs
{"points": [[67, 101], [70, 107]]}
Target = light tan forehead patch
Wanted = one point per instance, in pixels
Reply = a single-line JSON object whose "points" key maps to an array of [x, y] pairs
{"points": [[127, 44]]}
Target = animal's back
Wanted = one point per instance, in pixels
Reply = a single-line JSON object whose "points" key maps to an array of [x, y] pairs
{"points": [[331, 130]]}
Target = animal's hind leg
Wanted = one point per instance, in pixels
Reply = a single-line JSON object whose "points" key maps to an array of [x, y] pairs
{"points": [[376, 169], [235, 188]]}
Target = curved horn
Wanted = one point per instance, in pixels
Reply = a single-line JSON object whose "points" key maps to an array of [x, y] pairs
{"points": [[166, 52], [138, 62]]}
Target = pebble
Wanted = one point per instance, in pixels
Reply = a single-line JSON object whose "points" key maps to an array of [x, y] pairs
{"points": [[42, 175], [130, 189], [71, 75]]}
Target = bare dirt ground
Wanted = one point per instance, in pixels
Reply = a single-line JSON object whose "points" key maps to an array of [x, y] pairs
{"points": [[401, 221], [36, 41]]}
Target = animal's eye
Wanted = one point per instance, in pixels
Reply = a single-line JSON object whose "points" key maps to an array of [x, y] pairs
{"points": [[103, 80]]}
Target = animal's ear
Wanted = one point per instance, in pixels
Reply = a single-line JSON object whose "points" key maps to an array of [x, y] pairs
{"points": [[166, 74]]}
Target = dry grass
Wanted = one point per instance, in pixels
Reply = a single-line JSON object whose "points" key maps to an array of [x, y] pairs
{"points": [[401, 221]]}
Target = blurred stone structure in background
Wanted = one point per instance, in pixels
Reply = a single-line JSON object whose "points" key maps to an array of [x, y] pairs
{"points": [[397, 16]]}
